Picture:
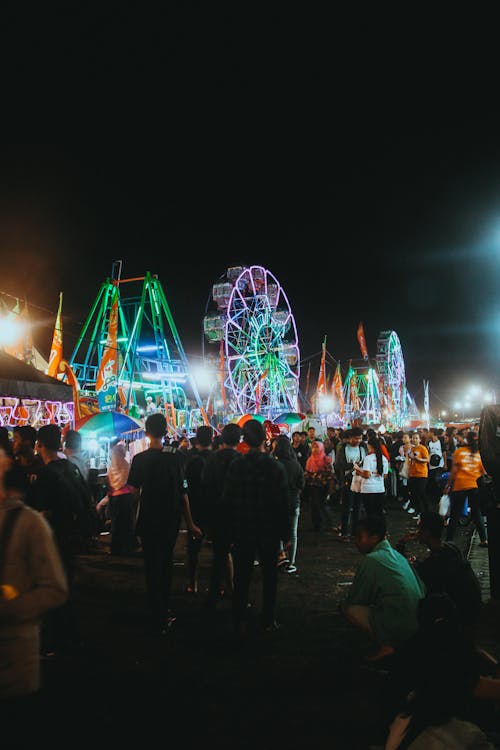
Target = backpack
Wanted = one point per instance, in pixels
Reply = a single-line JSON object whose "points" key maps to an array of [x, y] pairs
{"points": [[463, 587], [489, 439], [76, 497]]}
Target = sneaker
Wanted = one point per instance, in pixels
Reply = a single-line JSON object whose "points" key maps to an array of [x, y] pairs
{"points": [[416, 517], [291, 568], [406, 505], [411, 510], [272, 627]]}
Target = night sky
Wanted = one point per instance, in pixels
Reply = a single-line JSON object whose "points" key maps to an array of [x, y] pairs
{"points": [[368, 199]]}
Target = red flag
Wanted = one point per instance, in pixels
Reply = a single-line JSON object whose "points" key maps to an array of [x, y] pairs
{"points": [[362, 341], [338, 390], [56, 350]]}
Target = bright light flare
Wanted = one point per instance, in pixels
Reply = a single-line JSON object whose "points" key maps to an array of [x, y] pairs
{"points": [[10, 331], [325, 404], [204, 377]]}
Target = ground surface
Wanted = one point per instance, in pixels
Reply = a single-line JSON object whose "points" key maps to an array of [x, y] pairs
{"points": [[304, 685]]}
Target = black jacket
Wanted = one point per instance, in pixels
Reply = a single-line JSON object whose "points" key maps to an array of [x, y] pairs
{"points": [[256, 499]]}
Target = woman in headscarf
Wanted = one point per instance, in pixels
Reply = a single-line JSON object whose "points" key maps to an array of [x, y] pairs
{"points": [[318, 476], [121, 503]]}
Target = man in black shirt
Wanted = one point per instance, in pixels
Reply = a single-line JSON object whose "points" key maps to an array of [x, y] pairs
{"points": [[158, 477], [257, 504], [215, 517], [195, 464]]}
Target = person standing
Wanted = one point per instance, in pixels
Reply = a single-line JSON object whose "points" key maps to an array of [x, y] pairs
{"points": [[216, 518], [348, 454], [466, 469], [195, 465], [61, 494], [437, 463], [256, 501], [121, 503], [157, 475], [285, 454], [73, 452], [318, 476], [33, 583], [418, 456], [373, 472]]}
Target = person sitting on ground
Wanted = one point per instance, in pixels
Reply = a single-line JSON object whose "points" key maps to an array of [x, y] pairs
{"points": [[384, 595], [438, 673], [445, 570]]}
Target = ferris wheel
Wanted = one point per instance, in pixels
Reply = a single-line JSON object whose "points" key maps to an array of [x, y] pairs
{"points": [[391, 369], [259, 342]]}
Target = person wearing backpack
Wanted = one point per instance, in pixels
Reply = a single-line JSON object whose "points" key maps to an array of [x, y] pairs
{"points": [[351, 452], [60, 494], [445, 570], [157, 474]]}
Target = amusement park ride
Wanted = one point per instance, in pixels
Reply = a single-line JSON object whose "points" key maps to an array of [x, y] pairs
{"points": [[258, 360], [129, 356], [129, 359]]}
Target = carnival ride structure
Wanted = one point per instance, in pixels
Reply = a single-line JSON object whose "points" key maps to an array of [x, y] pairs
{"points": [[129, 355], [374, 393], [258, 361]]}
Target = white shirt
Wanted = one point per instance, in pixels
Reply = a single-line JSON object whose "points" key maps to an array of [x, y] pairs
{"points": [[435, 447], [375, 482]]}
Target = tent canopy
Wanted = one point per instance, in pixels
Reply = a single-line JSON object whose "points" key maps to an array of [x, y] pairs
{"points": [[23, 381]]}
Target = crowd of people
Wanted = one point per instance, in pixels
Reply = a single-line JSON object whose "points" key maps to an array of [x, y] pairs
{"points": [[244, 491]]}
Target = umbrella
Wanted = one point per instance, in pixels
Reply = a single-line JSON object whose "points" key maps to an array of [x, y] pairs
{"points": [[290, 417], [247, 417], [108, 424]]}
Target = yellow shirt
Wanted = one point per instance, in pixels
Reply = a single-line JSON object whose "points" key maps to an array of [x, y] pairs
{"points": [[469, 468], [417, 469]]}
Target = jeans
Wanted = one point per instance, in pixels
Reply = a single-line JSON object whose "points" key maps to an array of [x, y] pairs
{"points": [[158, 554], [220, 567], [351, 506], [121, 511], [418, 498], [320, 513], [374, 503], [294, 525], [457, 500], [244, 553]]}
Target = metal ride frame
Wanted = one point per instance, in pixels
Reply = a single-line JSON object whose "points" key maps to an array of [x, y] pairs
{"points": [[151, 358], [259, 360]]}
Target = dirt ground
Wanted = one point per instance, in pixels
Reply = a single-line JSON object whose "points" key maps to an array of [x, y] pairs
{"points": [[304, 685]]}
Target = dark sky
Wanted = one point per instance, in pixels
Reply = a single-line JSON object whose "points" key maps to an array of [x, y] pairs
{"points": [[371, 197]]}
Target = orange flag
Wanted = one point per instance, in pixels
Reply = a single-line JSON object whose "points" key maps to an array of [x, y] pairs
{"points": [[321, 386], [106, 385], [362, 341], [338, 390], [56, 350]]}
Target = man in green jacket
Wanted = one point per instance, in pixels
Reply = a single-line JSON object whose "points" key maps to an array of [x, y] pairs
{"points": [[385, 593]]}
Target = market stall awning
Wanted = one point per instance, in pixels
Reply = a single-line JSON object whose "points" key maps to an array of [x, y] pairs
{"points": [[19, 380]]}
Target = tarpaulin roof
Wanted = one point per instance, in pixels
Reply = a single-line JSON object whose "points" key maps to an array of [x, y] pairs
{"points": [[23, 381]]}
